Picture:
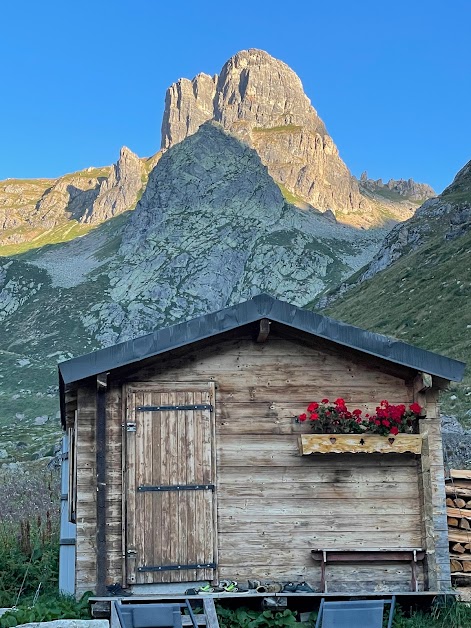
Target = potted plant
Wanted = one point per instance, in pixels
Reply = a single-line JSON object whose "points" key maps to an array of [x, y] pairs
{"points": [[391, 428]]}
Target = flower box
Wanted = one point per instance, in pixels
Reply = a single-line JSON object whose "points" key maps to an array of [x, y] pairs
{"points": [[359, 444]]}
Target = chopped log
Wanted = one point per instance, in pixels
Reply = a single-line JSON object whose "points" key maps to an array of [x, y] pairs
{"points": [[460, 503], [458, 513], [450, 502], [459, 536], [465, 484], [468, 504], [464, 524], [457, 547], [451, 489], [460, 474], [461, 578], [468, 546], [467, 565], [452, 522], [455, 565]]}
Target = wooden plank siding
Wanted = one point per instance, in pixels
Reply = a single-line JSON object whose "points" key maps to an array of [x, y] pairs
{"points": [[274, 505], [85, 575]]}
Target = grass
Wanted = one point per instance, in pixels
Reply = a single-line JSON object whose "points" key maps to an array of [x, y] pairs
{"points": [[29, 535], [62, 233], [151, 162], [289, 196], [47, 608], [424, 298], [89, 173], [285, 128]]}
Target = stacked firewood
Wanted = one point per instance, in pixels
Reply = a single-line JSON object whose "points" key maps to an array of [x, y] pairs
{"points": [[458, 510]]}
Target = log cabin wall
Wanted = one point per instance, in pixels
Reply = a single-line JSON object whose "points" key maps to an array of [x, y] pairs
{"points": [[85, 572], [274, 506]]}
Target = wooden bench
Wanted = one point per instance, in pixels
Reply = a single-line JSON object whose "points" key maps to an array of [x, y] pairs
{"points": [[399, 555]]}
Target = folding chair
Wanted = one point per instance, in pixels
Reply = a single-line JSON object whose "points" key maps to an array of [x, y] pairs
{"points": [[354, 614], [149, 615]]}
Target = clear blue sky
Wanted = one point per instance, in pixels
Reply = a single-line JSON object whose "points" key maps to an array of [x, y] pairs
{"points": [[391, 80]]}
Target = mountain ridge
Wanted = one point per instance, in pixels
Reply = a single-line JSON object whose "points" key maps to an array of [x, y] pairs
{"points": [[418, 286], [211, 229], [261, 100]]}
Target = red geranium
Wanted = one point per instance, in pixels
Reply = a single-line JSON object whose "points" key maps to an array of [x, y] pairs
{"points": [[334, 417]]}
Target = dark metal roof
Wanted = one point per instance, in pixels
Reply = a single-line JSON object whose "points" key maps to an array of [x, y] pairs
{"points": [[261, 306]]}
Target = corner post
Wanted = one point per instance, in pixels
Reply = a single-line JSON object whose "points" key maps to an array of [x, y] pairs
{"points": [[433, 487], [101, 387]]}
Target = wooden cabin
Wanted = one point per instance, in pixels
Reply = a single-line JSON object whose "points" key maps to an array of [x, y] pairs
{"points": [[185, 465]]}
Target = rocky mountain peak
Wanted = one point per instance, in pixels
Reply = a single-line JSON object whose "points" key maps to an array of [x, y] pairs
{"points": [[405, 188], [261, 100], [119, 191], [256, 89], [460, 188]]}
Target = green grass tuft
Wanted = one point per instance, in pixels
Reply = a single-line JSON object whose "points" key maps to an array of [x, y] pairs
{"points": [[285, 128]]}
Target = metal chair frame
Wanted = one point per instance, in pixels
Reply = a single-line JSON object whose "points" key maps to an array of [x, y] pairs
{"points": [[357, 605], [168, 608]]}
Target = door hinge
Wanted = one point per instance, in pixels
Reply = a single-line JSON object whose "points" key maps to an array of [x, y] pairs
{"points": [[144, 568], [130, 427], [176, 487], [200, 406]]}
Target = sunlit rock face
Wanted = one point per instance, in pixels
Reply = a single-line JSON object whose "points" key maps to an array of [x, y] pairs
{"points": [[261, 100]]}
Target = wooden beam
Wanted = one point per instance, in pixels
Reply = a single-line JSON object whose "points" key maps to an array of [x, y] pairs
{"points": [[210, 613], [436, 536], [101, 387], [460, 474], [71, 396], [264, 330], [422, 382]]}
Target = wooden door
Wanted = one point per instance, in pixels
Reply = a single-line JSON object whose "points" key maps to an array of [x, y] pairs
{"points": [[170, 496]]}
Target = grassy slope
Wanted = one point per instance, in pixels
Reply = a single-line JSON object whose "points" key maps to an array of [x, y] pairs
{"points": [[424, 298], [42, 237], [47, 328]]}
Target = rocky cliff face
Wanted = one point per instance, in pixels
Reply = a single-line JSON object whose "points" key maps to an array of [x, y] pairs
{"points": [[89, 197], [408, 189], [68, 198], [445, 217], [261, 100], [119, 191], [18, 199]]}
